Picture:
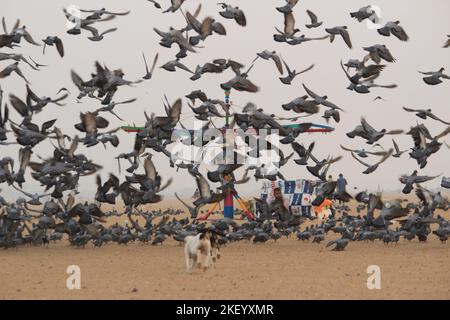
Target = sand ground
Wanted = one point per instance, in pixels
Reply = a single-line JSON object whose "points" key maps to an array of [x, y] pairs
{"points": [[287, 269]]}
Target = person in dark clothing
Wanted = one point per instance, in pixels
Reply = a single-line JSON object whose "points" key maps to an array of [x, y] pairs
{"points": [[341, 186], [280, 205]]}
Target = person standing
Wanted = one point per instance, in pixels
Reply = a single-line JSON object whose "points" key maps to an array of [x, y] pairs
{"points": [[341, 186], [280, 205]]}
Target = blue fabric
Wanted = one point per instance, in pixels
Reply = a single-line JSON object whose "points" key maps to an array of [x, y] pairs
{"points": [[309, 188], [297, 199], [306, 211], [228, 212], [289, 187], [296, 194], [341, 184]]}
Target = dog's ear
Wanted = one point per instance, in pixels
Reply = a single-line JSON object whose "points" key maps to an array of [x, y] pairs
{"points": [[206, 235]]}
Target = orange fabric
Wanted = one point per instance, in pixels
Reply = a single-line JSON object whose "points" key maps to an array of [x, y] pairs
{"points": [[324, 205]]}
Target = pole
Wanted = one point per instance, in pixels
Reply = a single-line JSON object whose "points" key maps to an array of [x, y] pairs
{"points": [[228, 202], [228, 105]]}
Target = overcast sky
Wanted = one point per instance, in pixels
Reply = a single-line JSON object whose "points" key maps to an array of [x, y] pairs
{"points": [[426, 22]]}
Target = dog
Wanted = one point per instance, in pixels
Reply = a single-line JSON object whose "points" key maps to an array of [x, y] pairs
{"points": [[201, 250]]}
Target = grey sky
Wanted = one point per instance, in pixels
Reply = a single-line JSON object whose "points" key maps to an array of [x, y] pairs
{"points": [[426, 22]]}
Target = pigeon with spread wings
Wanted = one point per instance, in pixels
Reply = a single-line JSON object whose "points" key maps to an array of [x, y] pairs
{"points": [[372, 167]]}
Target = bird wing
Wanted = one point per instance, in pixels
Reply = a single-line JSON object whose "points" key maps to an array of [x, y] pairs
{"points": [[108, 31], [432, 80], [57, 100], [73, 147], [60, 47], [118, 13], [400, 33], [331, 105], [150, 169], [20, 73], [311, 93], [240, 18], [428, 73], [98, 181], [182, 66], [175, 111], [16, 26], [145, 61], [299, 149], [198, 10], [443, 134], [287, 67], [19, 105], [4, 25], [155, 60], [203, 186], [113, 182], [92, 30], [70, 201], [276, 58], [424, 195], [312, 157], [193, 22], [245, 84], [345, 71], [127, 101], [312, 16], [432, 116], [395, 132], [24, 157], [289, 23], [89, 122], [347, 149], [184, 203], [425, 179], [334, 160], [25, 193], [397, 149], [409, 109], [360, 161], [5, 117], [378, 153], [47, 125], [76, 79], [306, 70], [386, 156], [346, 36], [367, 127], [29, 38], [386, 54]]}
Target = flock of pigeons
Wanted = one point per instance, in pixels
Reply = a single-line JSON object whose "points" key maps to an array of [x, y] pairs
{"points": [[30, 219]]}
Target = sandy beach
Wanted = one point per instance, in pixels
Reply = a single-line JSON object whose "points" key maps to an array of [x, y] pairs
{"points": [[286, 269]]}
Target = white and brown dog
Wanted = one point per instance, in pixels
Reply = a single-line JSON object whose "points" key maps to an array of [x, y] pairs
{"points": [[201, 250]]}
